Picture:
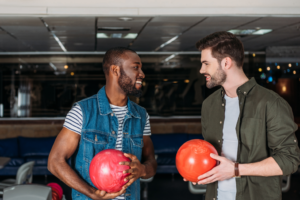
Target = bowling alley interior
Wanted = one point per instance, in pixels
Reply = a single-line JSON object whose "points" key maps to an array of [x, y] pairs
{"points": [[48, 62]]}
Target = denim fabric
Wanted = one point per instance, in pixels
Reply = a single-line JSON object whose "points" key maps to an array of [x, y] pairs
{"points": [[99, 132]]}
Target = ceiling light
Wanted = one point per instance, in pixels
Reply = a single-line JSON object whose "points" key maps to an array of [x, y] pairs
{"points": [[165, 79], [250, 31], [53, 66], [72, 73], [168, 42], [55, 37], [116, 35], [131, 36], [114, 29], [186, 81], [290, 65], [175, 81], [126, 19], [170, 57], [101, 35], [66, 66], [234, 31], [262, 32]]}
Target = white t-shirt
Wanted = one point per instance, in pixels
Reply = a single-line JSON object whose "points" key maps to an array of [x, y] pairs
{"points": [[227, 188], [74, 120]]}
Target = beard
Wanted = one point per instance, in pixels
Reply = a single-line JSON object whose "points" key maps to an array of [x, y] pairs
{"points": [[218, 78], [127, 84]]}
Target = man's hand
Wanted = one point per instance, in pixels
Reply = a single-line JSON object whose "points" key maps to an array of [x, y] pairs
{"points": [[225, 170], [136, 170], [101, 194]]}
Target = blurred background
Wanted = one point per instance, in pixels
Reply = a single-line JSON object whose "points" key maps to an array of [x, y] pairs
{"points": [[49, 63], [51, 57]]}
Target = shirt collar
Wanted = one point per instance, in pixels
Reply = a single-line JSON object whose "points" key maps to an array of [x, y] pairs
{"points": [[105, 109], [243, 89]]}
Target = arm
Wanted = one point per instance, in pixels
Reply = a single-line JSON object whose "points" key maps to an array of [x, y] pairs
{"points": [[282, 143], [63, 148], [138, 170]]}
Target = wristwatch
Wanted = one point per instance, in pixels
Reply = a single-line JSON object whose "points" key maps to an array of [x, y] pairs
{"points": [[236, 170]]}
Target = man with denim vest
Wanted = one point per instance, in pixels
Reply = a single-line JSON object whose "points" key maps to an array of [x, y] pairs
{"points": [[251, 127], [107, 120]]}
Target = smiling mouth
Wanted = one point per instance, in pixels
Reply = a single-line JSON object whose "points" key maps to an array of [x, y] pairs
{"points": [[139, 82], [207, 77]]}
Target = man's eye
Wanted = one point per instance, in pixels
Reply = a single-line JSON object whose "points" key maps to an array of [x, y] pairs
{"points": [[135, 67]]}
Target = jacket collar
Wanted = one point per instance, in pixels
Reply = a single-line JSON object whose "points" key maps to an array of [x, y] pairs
{"points": [[243, 89], [104, 106]]}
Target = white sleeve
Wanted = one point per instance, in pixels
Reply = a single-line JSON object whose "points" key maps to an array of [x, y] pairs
{"points": [[147, 129], [74, 120]]}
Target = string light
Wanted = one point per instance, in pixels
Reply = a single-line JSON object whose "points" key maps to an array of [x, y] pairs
{"points": [[290, 65], [72, 73], [186, 81], [268, 68], [283, 89], [253, 55], [278, 67], [260, 69]]}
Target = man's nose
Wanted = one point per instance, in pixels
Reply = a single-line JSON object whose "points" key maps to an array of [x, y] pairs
{"points": [[202, 70], [142, 74]]}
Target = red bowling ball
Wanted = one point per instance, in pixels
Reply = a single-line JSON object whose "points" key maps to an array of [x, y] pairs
{"points": [[106, 173], [193, 159]]}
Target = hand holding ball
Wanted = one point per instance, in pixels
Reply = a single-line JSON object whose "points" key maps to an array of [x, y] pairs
{"points": [[193, 159], [106, 173]]}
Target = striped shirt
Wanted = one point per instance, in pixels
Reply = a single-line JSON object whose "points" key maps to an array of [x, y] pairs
{"points": [[74, 120]]}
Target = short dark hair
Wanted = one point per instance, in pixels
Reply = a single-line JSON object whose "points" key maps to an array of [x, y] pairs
{"points": [[223, 44], [113, 56]]}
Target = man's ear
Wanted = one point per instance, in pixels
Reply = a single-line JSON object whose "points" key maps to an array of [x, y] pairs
{"points": [[226, 63], [115, 70]]}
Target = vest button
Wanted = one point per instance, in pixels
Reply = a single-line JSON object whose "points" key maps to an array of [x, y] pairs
{"points": [[113, 132], [222, 104], [219, 140], [220, 122], [112, 114]]}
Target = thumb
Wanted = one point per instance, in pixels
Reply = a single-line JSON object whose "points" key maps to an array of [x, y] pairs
{"points": [[216, 157], [101, 193]]}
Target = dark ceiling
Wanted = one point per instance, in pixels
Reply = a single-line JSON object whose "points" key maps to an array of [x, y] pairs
{"points": [[22, 34]]}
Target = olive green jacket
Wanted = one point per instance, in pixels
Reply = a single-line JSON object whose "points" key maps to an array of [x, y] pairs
{"points": [[265, 128]]}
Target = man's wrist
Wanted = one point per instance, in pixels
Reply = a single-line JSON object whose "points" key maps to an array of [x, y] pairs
{"points": [[144, 171], [236, 170]]}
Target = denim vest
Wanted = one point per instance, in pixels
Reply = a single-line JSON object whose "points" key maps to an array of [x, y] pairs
{"points": [[99, 132]]}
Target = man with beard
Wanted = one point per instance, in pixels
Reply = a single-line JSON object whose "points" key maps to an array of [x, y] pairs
{"points": [[107, 120], [251, 127]]}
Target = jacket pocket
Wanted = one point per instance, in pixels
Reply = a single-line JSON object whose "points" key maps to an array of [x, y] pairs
{"points": [[252, 132], [137, 145], [94, 142]]}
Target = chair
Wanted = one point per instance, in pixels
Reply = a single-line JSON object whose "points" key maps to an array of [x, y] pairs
{"points": [[286, 183], [197, 189], [24, 175]]}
